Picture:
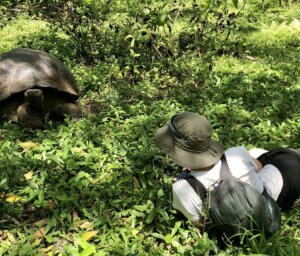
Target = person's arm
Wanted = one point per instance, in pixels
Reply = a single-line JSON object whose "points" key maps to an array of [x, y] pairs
{"points": [[187, 201], [271, 179], [255, 153], [201, 224], [257, 163]]}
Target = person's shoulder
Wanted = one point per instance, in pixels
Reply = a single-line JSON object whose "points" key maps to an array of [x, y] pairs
{"points": [[236, 149], [182, 188], [239, 151], [238, 158], [179, 184]]}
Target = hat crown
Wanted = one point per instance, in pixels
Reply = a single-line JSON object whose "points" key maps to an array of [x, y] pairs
{"points": [[194, 128], [187, 139]]}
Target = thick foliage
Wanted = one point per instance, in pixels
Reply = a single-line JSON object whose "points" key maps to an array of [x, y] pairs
{"points": [[98, 185]]}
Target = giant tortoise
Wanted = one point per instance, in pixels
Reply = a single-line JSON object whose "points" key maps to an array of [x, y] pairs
{"points": [[34, 83]]}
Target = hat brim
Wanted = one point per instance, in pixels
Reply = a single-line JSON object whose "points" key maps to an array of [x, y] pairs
{"points": [[191, 160]]}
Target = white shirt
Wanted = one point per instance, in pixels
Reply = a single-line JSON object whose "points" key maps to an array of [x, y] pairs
{"points": [[241, 166], [270, 176]]}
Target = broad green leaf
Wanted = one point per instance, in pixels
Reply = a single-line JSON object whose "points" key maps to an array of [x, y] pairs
{"points": [[136, 184], [168, 238], [175, 229], [88, 251], [41, 222], [160, 193], [175, 243], [151, 216], [157, 235], [140, 207], [235, 3]]}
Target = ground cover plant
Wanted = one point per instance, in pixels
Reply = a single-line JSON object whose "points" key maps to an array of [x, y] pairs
{"points": [[97, 185]]}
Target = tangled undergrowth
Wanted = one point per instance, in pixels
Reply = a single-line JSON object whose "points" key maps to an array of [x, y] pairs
{"points": [[98, 185]]}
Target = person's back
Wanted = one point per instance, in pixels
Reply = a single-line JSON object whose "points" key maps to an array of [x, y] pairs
{"points": [[241, 166]]}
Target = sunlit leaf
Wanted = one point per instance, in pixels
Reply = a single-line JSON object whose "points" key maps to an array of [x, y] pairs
{"points": [[12, 198], [175, 243], [85, 224], [41, 222], [135, 232], [126, 219], [88, 235], [28, 145], [88, 251], [35, 242], [28, 175], [40, 232], [46, 250], [168, 238], [77, 150]]}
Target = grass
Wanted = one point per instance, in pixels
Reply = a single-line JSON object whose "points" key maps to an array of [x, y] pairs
{"points": [[19, 29], [98, 185]]}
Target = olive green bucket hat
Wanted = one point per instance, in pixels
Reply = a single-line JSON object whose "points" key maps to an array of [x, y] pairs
{"points": [[187, 139]]}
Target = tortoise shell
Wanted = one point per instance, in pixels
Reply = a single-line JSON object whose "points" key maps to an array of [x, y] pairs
{"points": [[22, 69]]}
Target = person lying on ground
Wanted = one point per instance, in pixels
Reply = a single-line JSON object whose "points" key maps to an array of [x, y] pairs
{"points": [[187, 138]]}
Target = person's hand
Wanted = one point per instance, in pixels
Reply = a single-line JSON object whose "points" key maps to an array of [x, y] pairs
{"points": [[258, 164]]}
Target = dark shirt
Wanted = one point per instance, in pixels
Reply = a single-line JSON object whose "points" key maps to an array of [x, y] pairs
{"points": [[288, 163]]}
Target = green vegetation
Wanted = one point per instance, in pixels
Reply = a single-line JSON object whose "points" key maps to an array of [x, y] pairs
{"points": [[98, 185]]}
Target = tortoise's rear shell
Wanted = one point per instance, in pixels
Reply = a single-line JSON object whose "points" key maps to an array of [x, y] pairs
{"points": [[22, 69]]}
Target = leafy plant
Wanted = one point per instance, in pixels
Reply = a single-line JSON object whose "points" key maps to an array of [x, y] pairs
{"points": [[98, 185]]}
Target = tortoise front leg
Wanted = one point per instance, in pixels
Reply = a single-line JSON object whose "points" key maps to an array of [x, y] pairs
{"points": [[29, 117], [62, 109]]}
